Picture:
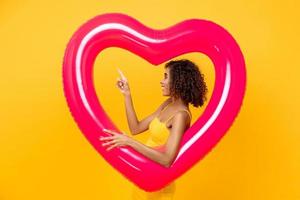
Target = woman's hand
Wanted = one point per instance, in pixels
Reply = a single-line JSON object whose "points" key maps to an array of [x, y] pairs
{"points": [[117, 139], [122, 84]]}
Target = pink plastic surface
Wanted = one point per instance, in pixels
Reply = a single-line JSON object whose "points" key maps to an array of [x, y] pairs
{"points": [[155, 46]]}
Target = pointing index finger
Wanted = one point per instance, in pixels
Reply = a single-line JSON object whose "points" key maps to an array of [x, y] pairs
{"points": [[121, 74]]}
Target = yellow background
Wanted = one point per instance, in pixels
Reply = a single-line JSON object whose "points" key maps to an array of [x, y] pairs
{"points": [[43, 154]]}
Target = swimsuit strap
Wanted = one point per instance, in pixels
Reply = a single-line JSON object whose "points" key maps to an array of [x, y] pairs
{"points": [[173, 114], [177, 112]]}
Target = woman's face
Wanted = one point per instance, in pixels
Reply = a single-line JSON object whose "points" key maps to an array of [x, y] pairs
{"points": [[165, 83]]}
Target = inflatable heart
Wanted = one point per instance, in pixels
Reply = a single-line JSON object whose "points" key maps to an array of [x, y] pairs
{"points": [[155, 46]]}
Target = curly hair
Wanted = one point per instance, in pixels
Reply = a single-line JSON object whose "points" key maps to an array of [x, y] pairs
{"points": [[187, 82]]}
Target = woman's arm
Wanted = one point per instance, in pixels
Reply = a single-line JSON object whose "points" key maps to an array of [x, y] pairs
{"points": [[165, 158], [132, 119], [134, 124], [153, 154]]}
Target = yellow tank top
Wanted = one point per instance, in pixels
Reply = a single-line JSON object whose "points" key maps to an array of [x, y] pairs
{"points": [[159, 132], [159, 135]]}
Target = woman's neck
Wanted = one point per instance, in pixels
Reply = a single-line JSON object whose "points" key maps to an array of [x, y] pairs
{"points": [[178, 101]]}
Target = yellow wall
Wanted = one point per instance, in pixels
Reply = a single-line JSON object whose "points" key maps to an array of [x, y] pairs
{"points": [[43, 154]]}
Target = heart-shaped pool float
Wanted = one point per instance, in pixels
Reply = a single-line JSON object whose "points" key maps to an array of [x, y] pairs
{"points": [[155, 46]]}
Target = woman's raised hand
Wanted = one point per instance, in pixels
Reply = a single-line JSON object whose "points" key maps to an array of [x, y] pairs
{"points": [[122, 83]]}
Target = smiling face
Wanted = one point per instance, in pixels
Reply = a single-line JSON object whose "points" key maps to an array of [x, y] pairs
{"points": [[165, 83]]}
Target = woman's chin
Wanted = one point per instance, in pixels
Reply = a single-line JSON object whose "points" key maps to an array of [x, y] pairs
{"points": [[164, 93]]}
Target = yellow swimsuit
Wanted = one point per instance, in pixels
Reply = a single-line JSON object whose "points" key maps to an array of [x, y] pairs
{"points": [[159, 135]]}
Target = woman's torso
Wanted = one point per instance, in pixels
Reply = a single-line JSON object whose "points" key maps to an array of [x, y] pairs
{"points": [[159, 133], [160, 128]]}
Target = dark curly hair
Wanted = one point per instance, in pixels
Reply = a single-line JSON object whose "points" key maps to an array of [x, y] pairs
{"points": [[187, 82]]}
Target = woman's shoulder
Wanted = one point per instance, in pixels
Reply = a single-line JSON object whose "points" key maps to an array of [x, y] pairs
{"points": [[185, 111]]}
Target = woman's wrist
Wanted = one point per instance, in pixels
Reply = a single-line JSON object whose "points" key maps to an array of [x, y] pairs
{"points": [[127, 95], [131, 142]]}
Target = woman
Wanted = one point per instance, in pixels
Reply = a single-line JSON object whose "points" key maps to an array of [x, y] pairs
{"points": [[183, 83]]}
